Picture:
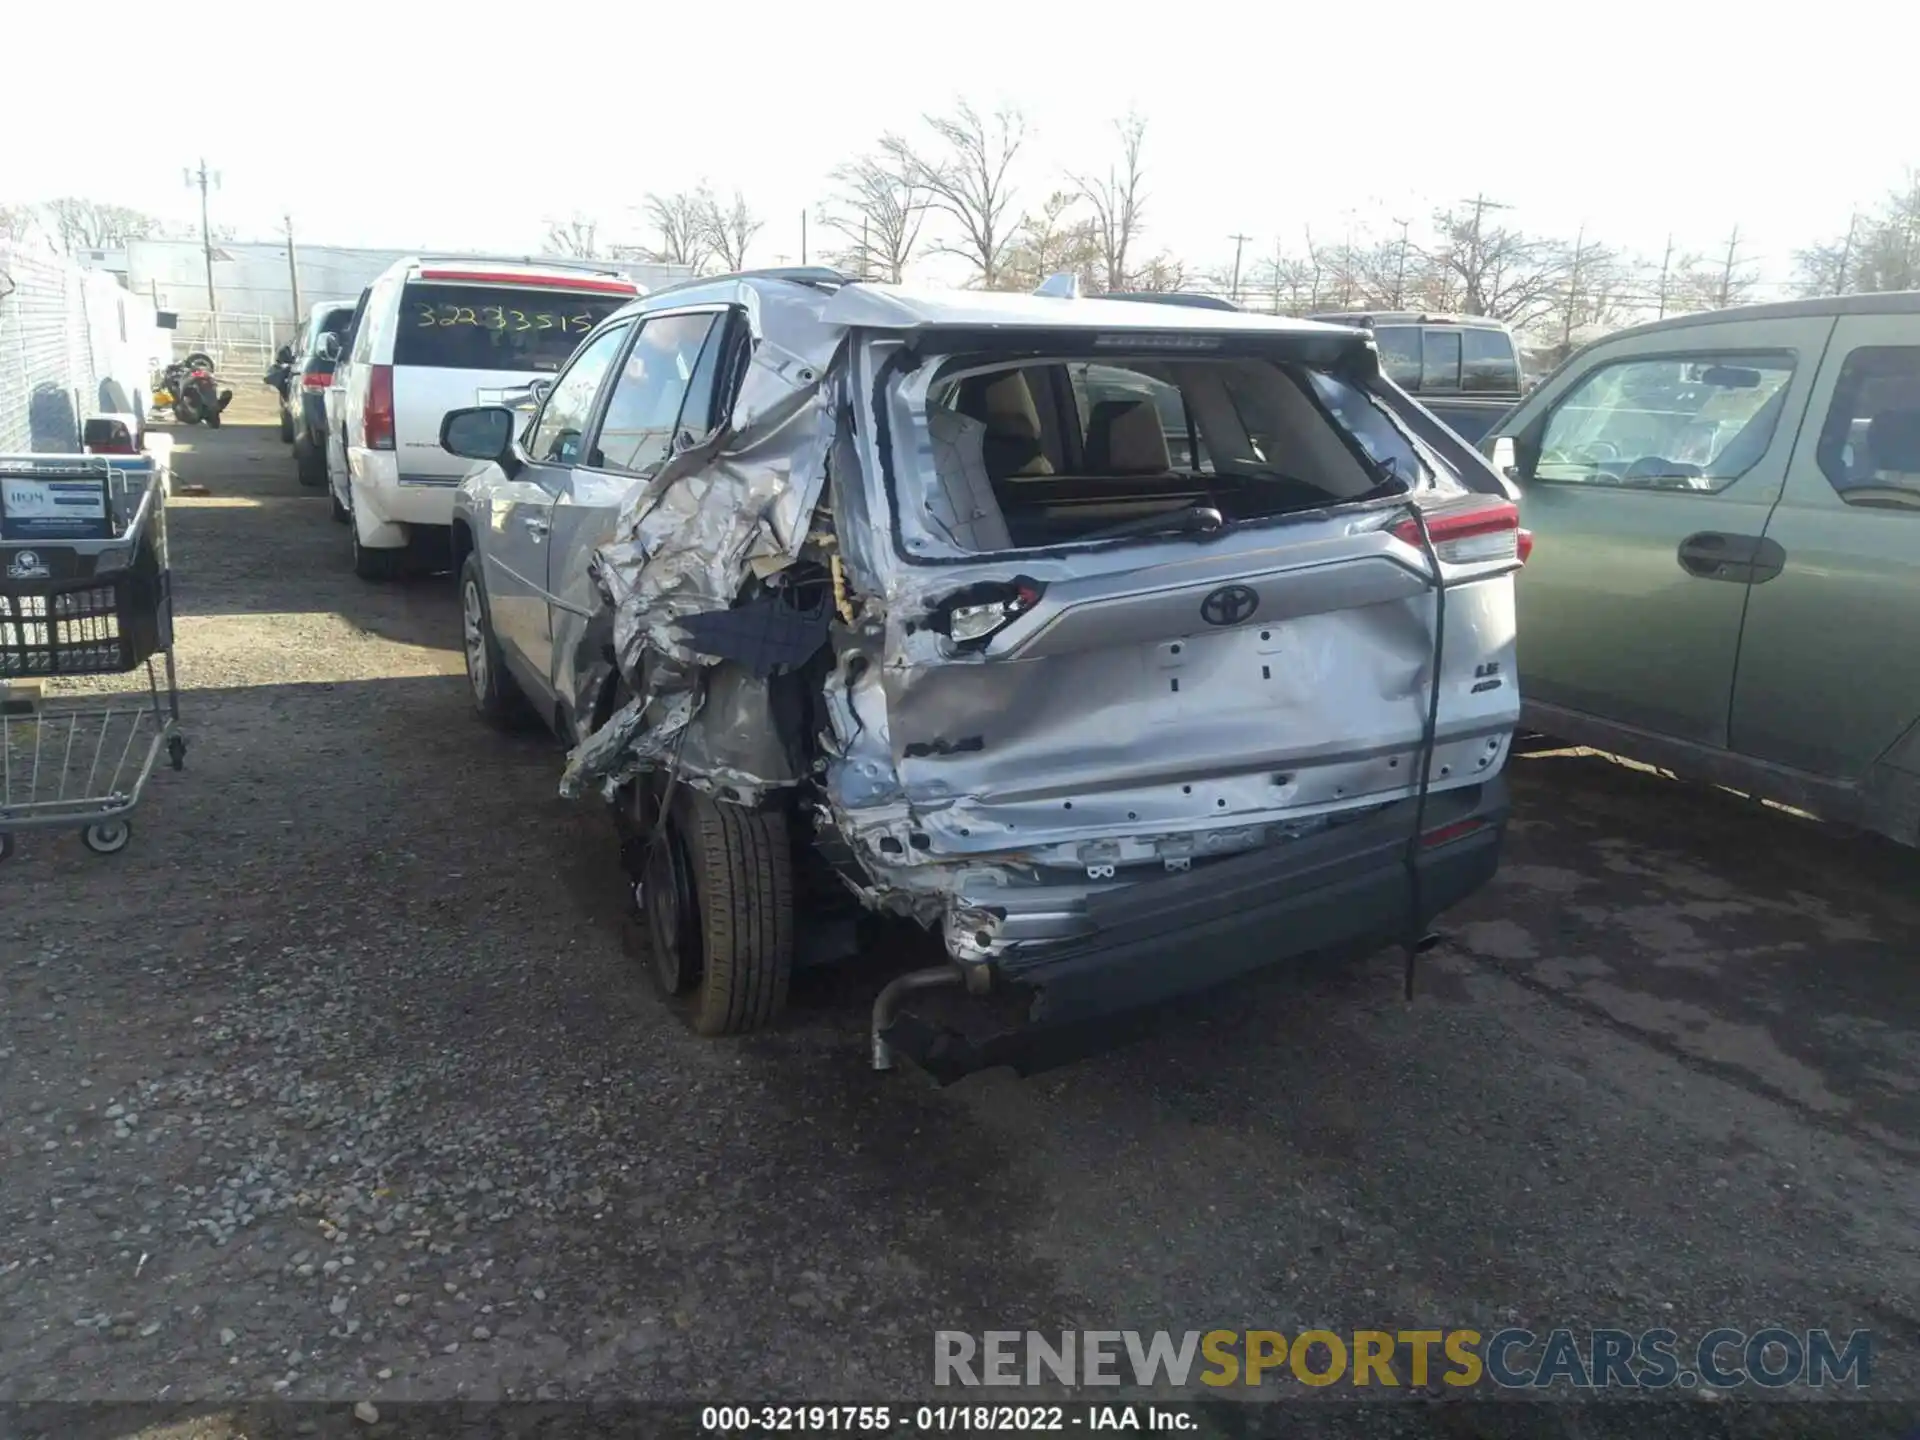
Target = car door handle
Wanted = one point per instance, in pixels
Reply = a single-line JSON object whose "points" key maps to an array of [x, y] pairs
{"points": [[1743, 559], [536, 525]]}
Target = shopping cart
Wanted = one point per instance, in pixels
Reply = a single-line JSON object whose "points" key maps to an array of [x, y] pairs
{"points": [[85, 590]]}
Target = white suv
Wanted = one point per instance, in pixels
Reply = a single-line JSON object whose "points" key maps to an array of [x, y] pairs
{"points": [[430, 336]]}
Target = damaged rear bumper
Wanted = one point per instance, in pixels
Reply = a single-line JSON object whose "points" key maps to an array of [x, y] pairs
{"points": [[1175, 935]]}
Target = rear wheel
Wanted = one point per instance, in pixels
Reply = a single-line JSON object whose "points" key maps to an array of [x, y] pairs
{"points": [[495, 696], [212, 413], [371, 564], [719, 903], [286, 426], [309, 462]]}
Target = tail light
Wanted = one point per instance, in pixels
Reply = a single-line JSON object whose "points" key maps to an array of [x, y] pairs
{"points": [[975, 615], [1458, 830], [1473, 534], [316, 380], [377, 418], [108, 437]]}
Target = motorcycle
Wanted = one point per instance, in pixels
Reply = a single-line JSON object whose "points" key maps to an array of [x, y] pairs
{"points": [[191, 387]]}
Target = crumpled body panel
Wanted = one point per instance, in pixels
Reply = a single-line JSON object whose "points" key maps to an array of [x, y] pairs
{"points": [[1107, 734]]}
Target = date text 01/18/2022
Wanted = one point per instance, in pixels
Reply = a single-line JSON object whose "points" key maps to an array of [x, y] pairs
{"points": [[939, 1419]]}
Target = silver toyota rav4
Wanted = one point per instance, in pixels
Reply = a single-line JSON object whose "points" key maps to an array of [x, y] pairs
{"points": [[1131, 646]]}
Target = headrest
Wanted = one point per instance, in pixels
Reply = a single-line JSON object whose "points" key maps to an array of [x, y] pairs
{"points": [[1124, 438], [1893, 441]]}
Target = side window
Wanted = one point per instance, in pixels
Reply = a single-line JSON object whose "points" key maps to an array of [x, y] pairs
{"points": [[655, 385], [358, 341], [555, 437], [1696, 422], [1487, 361], [1440, 360], [1400, 354], [1869, 446]]}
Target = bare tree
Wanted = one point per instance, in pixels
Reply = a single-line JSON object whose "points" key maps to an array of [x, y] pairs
{"points": [[680, 223], [1286, 280], [1119, 203], [730, 228], [90, 225], [1051, 241], [967, 179], [18, 223], [1164, 272], [1879, 252], [579, 236], [878, 209], [1482, 268]]}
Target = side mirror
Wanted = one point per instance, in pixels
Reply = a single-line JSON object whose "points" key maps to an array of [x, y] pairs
{"points": [[1505, 458], [329, 346], [480, 432], [284, 355]]}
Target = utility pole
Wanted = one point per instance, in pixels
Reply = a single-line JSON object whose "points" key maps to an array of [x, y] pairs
{"points": [[203, 179], [1573, 294], [1666, 264], [866, 255], [1726, 271], [293, 271], [1846, 254], [1400, 275], [803, 237], [1471, 273], [1239, 244]]}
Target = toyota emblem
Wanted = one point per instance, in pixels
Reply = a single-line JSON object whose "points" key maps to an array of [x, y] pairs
{"points": [[1230, 604]]}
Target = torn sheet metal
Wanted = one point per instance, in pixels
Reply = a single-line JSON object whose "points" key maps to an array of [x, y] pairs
{"points": [[734, 506]]}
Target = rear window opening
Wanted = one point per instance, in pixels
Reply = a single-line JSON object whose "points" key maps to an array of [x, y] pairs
{"points": [[1036, 452], [494, 327]]}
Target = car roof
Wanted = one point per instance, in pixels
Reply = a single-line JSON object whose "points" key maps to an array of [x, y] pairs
{"points": [[1886, 302], [900, 308], [1372, 318], [482, 269]]}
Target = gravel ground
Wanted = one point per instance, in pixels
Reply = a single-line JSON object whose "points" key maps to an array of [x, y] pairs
{"points": [[342, 1081]]}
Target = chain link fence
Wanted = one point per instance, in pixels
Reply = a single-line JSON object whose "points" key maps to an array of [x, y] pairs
{"points": [[73, 343]]}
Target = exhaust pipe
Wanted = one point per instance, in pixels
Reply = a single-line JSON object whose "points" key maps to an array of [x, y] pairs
{"points": [[888, 1000]]}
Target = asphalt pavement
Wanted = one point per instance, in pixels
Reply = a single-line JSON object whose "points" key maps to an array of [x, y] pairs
{"points": [[342, 1081]]}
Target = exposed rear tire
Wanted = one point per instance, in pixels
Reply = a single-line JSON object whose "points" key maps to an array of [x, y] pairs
{"points": [[735, 902], [286, 426], [213, 419], [371, 564], [496, 698]]}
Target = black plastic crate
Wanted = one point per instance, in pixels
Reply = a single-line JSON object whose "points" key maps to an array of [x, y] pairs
{"points": [[96, 625]]}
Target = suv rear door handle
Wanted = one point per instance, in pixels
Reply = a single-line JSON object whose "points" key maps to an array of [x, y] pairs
{"points": [[1743, 559], [536, 525]]}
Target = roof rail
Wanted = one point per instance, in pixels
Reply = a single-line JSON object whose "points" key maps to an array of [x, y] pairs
{"points": [[592, 267], [819, 276], [1192, 298]]}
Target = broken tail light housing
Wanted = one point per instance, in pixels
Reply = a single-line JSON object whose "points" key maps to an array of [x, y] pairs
{"points": [[972, 617], [1476, 534]]}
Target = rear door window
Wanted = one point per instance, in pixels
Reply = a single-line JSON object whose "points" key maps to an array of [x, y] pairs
{"points": [[1400, 354], [1487, 362], [667, 372], [1440, 360], [494, 327]]}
